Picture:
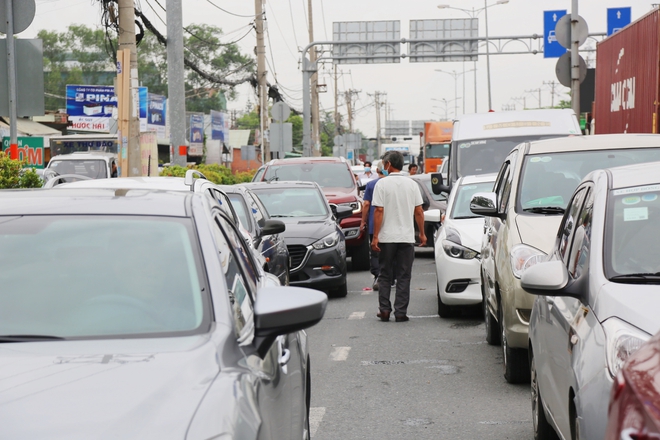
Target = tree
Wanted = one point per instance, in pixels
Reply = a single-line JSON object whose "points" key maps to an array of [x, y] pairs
{"points": [[13, 175]]}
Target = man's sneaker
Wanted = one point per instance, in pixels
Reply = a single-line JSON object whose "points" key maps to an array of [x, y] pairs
{"points": [[375, 286]]}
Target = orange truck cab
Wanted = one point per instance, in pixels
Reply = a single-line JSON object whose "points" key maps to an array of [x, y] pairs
{"points": [[437, 142]]}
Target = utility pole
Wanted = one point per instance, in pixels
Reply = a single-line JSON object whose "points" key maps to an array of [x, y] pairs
{"points": [[377, 95], [575, 60], [261, 79], [127, 41], [349, 108], [176, 92], [336, 114], [316, 141], [552, 85]]}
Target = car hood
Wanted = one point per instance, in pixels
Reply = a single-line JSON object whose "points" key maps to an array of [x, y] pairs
{"points": [[539, 231], [471, 231], [331, 193], [306, 231], [123, 389], [637, 304]]}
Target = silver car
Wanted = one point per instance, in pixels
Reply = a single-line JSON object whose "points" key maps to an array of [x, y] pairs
{"points": [[134, 314], [598, 299]]}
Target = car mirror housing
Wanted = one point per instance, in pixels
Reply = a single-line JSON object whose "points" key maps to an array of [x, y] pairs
{"points": [[484, 204], [547, 278], [282, 310], [437, 184], [432, 216], [273, 227], [342, 212]]}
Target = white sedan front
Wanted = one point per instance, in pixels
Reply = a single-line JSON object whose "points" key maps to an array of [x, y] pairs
{"points": [[456, 258]]}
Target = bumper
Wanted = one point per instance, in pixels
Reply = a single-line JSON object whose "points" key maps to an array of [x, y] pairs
{"points": [[321, 269], [458, 279]]}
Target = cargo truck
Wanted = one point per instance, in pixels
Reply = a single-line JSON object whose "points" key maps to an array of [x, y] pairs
{"points": [[437, 142]]}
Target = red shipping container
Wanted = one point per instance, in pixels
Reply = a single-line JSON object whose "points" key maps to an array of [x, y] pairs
{"points": [[627, 82]]}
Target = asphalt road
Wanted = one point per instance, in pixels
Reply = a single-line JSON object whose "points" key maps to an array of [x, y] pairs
{"points": [[428, 378]]}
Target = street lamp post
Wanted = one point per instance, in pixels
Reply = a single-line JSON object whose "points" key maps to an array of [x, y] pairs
{"points": [[473, 14], [455, 75]]}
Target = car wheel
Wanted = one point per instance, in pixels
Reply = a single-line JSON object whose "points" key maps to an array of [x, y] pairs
{"points": [[360, 256], [575, 423], [516, 364], [444, 310], [542, 429], [341, 291], [492, 327]]}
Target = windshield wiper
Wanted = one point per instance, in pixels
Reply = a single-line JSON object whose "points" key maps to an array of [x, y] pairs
{"points": [[545, 210], [463, 217], [280, 215], [639, 278], [29, 338]]}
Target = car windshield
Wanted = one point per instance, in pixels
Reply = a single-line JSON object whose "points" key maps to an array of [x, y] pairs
{"points": [[548, 180], [241, 210], [485, 156], [436, 151], [633, 232], [464, 193], [327, 175], [100, 277], [96, 169], [292, 202]]}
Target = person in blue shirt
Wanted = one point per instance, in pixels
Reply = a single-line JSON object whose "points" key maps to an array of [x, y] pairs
{"points": [[368, 221]]}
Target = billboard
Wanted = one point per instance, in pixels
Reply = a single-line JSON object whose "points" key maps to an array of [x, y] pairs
{"points": [[91, 108], [157, 114], [30, 149], [219, 126], [196, 137]]}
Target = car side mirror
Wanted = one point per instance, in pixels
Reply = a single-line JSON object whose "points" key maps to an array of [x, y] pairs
{"points": [[545, 278], [432, 216], [485, 204], [342, 212], [437, 184], [362, 187], [272, 227], [282, 310]]}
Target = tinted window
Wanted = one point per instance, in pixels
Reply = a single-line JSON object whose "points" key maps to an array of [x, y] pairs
{"points": [[241, 209], [579, 255], [633, 231], [464, 193], [293, 202], [550, 179], [96, 169], [569, 225], [100, 276], [325, 174]]}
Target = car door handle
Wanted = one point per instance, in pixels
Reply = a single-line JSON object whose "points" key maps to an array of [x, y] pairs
{"points": [[285, 355]]}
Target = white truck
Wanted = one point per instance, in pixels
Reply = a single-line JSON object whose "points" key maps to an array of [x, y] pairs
{"points": [[89, 164], [405, 149]]}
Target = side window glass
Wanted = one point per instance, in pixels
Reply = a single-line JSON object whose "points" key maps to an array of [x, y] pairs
{"points": [[567, 230], [259, 174], [504, 188], [508, 180], [499, 181], [256, 211], [243, 253], [224, 202], [579, 254], [237, 285]]}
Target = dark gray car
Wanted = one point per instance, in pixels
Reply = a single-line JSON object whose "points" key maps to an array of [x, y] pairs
{"points": [[316, 243], [132, 314]]}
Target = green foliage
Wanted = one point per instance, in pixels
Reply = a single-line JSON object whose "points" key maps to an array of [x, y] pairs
{"points": [[217, 174], [13, 175]]}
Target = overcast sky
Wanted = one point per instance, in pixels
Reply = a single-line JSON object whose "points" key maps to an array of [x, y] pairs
{"points": [[414, 90]]}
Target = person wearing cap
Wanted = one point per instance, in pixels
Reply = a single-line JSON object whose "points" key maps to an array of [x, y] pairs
{"points": [[398, 205]]}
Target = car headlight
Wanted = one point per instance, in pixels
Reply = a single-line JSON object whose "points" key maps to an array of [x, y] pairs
{"points": [[523, 257], [622, 340], [327, 242], [456, 250], [355, 206]]}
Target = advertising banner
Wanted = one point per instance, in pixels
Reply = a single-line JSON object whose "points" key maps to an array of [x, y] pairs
{"points": [[157, 114], [196, 134], [90, 108], [30, 149], [219, 126]]}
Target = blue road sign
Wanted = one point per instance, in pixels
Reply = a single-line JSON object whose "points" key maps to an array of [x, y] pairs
{"points": [[618, 18], [551, 47]]}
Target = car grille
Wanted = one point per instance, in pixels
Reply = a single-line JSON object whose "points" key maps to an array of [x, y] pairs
{"points": [[297, 254]]}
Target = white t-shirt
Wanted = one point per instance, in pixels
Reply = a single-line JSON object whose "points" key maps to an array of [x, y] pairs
{"points": [[398, 195], [364, 179]]}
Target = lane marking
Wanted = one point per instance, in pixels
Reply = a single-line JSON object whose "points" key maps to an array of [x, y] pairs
{"points": [[357, 315], [340, 353], [315, 419], [367, 292]]}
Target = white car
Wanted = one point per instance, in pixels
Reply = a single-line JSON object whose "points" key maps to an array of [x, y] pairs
{"points": [[456, 258]]}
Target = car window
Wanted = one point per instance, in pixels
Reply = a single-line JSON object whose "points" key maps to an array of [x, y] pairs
{"points": [[93, 168], [293, 202], [101, 277], [429, 190], [579, 254], [259, 174], [503, 187], [334, 175], [243, 252], [258, 210], [224, 202], [567, 230], [241, 209], [463, 196]]}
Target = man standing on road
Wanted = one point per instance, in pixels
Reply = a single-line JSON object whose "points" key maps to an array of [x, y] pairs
{"points": [[368, 174], [368, 223], [398, 205]]}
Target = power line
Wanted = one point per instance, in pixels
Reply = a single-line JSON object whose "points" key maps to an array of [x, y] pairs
{"points": [[293, 25], [231, 13]]}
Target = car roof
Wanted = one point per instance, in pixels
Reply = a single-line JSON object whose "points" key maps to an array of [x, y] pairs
{"points": [[635, 175], [283, 183], [483, 178], [300, 160], [85, 155], [161, 183], [88, 201], [594, 142]]}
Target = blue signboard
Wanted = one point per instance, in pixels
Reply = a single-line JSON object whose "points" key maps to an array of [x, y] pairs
{"points": [[196, 129], [551, 47], [618, 18], [143, 93], [157, 109], [218, 126]]}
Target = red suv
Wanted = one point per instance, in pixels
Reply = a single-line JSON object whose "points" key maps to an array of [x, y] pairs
{"points": [[335, 177]]}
